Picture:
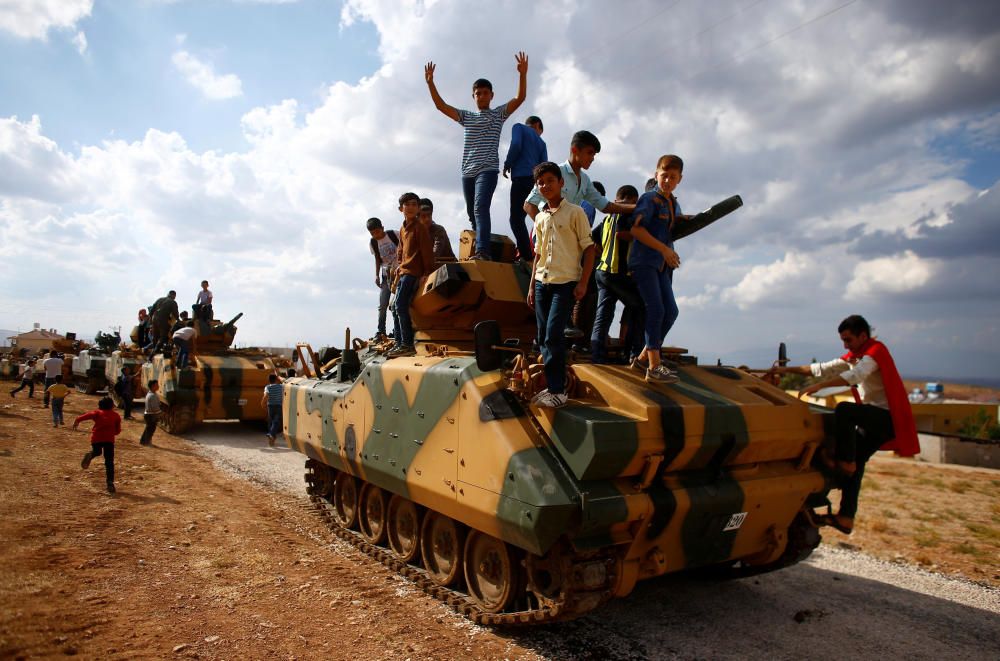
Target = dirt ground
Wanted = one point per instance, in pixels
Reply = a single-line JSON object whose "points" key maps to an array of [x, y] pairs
{"points": [[185, 561]]}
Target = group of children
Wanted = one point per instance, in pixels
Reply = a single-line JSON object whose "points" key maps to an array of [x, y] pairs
{"points": [[635, 266], [401, 259], [633, 248]]}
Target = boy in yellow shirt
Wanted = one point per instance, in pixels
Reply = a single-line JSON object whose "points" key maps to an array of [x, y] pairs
{"points": [[57, 393], [562, 238]]}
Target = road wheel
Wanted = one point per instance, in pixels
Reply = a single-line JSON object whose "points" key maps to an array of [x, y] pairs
{"points": [[404, 528], [441, 548], [490, 571], [177, 419], [323, 480], [345, 500], [372, 514]]}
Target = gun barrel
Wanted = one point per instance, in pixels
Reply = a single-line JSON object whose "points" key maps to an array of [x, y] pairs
{"points": [[707, 217], [234, 319]]}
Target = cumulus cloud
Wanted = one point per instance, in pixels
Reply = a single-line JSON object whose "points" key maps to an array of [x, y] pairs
{"points": [[32, 19], [202, 76], [829, 134], [896, 274], [772, 283]]}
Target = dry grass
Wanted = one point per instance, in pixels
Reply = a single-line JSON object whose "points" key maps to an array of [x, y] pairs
{"points": [[944, 518]]}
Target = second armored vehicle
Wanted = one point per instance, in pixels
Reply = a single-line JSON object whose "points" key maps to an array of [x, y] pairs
{"points": [[220, 383]]}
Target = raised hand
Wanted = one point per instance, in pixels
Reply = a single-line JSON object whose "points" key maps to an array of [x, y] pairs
{"points": [[522, 62], [429, 72]]}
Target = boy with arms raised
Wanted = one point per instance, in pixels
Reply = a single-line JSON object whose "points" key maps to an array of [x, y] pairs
{"points": [[480, 154], [562, 238], [652, 261], [416, 260]]}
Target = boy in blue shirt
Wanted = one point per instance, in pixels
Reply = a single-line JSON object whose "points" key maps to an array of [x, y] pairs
{"points": [[527, 149], [652, 261], [480, 155]]}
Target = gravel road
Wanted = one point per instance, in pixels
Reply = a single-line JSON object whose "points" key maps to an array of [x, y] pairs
{"points": [[838, 604]]}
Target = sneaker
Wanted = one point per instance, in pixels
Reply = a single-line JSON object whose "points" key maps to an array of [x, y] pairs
{"points": [[539, 396], [661, 374], [481, 257], [573, 333], [85, 464], [402, 350], [553, 400], [640, 365], [111, 487]]}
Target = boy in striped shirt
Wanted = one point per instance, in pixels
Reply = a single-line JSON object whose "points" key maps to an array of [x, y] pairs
{"points": [[273, 393], [480, 155]]}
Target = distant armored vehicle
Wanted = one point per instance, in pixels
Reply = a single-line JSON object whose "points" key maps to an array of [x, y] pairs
{"points": [[440, 466], [8, 368], [88, 371], [219, 383]]}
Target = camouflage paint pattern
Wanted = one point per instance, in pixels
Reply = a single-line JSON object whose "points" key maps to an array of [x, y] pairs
{"points": [[225, 386], [709, 470]]}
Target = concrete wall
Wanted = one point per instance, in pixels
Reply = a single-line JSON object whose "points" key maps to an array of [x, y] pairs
{"points": [[937, 449]]}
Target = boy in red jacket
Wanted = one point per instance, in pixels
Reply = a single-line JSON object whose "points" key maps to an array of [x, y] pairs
{"points": [[107, 425]]}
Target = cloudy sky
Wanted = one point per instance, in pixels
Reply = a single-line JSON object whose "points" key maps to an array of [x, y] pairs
{"points": [[148, 144]]}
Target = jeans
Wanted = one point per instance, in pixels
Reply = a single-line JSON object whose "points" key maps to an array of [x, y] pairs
{"points": [[108, 450], [553, 305], [183, 350], [478, 192], [383, 304], [203, 311], [48, 382], [520, 188], [657, 292], [852, 446], [147, 433], [611, 288], [25, 383], [57, 410], [404, 296], [127, 398], [274, 420]]}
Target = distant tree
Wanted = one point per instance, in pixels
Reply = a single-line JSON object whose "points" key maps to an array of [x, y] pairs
{"points": [[980, 425]]}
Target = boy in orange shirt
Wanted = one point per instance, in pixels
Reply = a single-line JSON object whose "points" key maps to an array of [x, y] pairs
{"points": [[107, 425]]}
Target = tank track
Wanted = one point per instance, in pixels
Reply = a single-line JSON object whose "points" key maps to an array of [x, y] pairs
{"points": [[569, 604]]}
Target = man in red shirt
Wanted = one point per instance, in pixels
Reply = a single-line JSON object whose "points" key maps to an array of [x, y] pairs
{"points": [[107, 425]]}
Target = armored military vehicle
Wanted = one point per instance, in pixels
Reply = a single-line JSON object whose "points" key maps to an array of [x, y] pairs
{"points": [[8, 368], [88, 371], [440, 466], [219, 383]]}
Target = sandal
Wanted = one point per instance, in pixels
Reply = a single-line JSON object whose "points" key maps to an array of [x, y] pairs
{"points": [[833, 520]]}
